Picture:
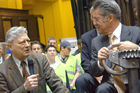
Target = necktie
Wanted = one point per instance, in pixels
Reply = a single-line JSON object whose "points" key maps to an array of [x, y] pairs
{"points": [[24, 71], [118, 80]]}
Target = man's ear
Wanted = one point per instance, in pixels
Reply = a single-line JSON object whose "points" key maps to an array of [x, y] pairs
{"points": [[110, 17]]}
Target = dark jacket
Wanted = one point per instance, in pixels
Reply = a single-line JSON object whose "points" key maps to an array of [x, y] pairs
{"points": [[86, 49], [128, 33]]}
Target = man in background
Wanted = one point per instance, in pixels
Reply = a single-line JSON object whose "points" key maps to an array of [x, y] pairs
{"points": [[58, 67], [70, 63], [1, 52], [36, 47], [53, 41]]}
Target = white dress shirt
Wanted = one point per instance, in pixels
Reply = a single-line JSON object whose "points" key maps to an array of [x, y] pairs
{"points": [[117, 34], [18, 63]]}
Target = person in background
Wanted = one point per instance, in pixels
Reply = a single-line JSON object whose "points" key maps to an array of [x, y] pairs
{"points": [[8, 54], [53, 41], [36, 47], [77, 54], [86, 40], [57, 66], [1, 54], [79, 43], [70, 63], [26, 72]]}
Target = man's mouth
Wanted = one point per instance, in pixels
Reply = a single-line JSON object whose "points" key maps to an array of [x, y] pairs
{"points": [[27, 50]]}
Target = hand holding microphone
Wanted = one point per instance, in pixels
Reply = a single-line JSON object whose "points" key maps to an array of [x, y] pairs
{"points": [[31, 82]]}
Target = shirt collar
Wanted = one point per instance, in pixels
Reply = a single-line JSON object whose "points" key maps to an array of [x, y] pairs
{"points": [[63, 59], [18, 62], [117, 31]]}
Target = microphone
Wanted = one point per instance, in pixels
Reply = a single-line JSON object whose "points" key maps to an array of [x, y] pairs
{"points": [[31, 66]]}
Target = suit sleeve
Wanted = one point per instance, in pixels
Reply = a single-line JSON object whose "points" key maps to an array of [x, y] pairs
{"points": [[4, 86], [53, 81], [94, 69], [85, 56]]}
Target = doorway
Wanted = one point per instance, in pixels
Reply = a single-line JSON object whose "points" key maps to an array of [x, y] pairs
{"points": [[14, 17]]}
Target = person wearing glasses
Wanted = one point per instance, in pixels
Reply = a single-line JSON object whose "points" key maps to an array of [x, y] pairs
{"points": [[106, 16], [26, 72]]}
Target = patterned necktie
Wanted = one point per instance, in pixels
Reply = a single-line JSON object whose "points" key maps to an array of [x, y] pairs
{"points": [[24, 71], [118, 80]]}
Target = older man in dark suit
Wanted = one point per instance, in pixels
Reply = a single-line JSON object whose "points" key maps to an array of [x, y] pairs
{"points": [[24, 72], [106, 16]]}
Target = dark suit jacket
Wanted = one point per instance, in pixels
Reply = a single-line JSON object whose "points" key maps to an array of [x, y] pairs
{"points": [[86, 49], [128, 33], [11, 81]]}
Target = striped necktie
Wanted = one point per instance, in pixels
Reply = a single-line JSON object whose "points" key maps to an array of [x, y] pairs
{"points": [[24, 71], [118, 80]]}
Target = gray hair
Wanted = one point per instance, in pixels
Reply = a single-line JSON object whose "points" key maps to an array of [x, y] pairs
{"points": [[107, 7], [14, 32], [51, 38]]}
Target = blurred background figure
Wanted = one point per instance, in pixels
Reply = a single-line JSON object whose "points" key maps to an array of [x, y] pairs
{"points": [[36, 47], [8, 54], [77, 54], [79, 43], [51, 53], [53, 41], [59, 68], [5, 53], [1, 53], [72, 66]]}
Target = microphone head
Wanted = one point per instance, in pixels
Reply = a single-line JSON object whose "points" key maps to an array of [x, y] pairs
{"points": [[31, 66]]}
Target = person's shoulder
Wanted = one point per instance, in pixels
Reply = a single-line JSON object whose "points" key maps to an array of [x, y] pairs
{"points": [[5, 65], [72, 57], [91, 32], [131, 28], [37, 56]]}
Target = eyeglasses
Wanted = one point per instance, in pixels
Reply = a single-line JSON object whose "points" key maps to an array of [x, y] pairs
{"points": [[99, 19]]}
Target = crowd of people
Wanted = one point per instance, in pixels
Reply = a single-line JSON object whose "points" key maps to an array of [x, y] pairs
{"points": [[29, 68]]}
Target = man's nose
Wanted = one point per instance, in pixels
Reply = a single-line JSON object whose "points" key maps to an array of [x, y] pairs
{"points": [[27, 43], [94, 22]]}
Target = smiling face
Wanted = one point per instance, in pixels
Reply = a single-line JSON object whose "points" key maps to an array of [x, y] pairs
{"points": [[65, 51], [101, 23], [20, 46]]}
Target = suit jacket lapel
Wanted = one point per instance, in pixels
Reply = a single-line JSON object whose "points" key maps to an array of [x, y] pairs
{"points": [[125, 34], [14, 72], [101, 41], [94, 33]]}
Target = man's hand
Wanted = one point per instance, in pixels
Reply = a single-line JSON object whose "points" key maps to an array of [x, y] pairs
{"points": [[103, 54], [31, 82], [71, 86], [127, 45]]}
